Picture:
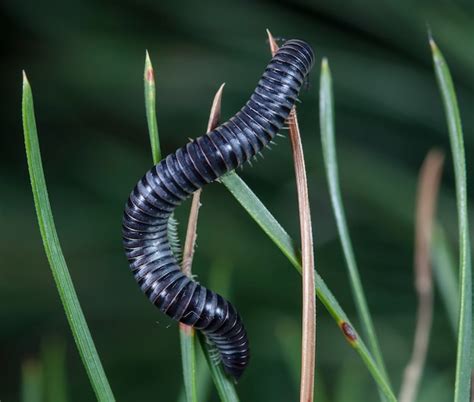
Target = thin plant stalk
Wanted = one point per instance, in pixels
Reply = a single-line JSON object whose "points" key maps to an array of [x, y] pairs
{"points": [[150, 108], [62, 278], [308, 342], [203, 380], [191, 232], [428, 188], [219, 278], [186, 332], [326, 104], [462, 385], [188, 361], [308, 339]]}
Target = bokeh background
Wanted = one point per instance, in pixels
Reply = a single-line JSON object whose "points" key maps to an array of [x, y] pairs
{"points": [[85, 62]]}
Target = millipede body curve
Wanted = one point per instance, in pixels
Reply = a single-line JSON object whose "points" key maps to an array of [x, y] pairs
{"points": [[175, 178]]}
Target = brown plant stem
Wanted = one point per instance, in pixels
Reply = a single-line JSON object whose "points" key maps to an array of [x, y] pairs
{"points": [[308, 342], [428, 186], [191, 231]]}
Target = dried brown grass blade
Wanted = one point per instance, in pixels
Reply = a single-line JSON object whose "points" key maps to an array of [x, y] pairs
{"points": [[191, 231], [308, 343], [428, 186]]}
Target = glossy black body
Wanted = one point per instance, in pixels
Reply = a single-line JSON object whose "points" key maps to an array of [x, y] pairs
{"points": [[176, 177]]}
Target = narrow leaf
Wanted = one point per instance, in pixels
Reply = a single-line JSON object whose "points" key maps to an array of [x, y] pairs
{"points": [[464, 348], [203, 379], [308, 339], [150, 107], [191, 232], [219, 278], [150, 100], [326, 104], [188, 359], [308, 342], [61, 275]]}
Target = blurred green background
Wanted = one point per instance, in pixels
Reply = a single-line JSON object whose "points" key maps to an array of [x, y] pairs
{"points": [[85, 61]]}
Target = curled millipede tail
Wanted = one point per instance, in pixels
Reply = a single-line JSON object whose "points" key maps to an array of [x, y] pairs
{"points": [[181, 173]]}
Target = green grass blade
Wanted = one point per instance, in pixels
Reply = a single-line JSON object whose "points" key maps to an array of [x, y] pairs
{"points": [[55, 256], [224, 384], [283, 241], [31, 381], [150, 107], [246, 197], [445, 276], [330, 161], [150, 100], [186, 334], [53, 361], [220, 279], [188, 356], [203, 379], [464, 348]]}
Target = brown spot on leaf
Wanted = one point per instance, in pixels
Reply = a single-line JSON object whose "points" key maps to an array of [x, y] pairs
{"points": [[348, 332]]}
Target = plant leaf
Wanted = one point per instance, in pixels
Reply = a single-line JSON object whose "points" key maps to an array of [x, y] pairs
{"points": [[61, 275], [186, 333], [326, 112], [150, 107], [462, 387], [308, 331], [188, 357], [150, 101]]}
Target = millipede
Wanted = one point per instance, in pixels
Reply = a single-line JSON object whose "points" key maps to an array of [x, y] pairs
{"points": [[178, 176]]}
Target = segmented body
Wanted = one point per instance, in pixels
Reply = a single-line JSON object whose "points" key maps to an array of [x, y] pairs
{"points": [[175, 178]]}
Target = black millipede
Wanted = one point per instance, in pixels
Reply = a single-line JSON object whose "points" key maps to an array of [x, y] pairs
{"points": [[175, 178]]}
